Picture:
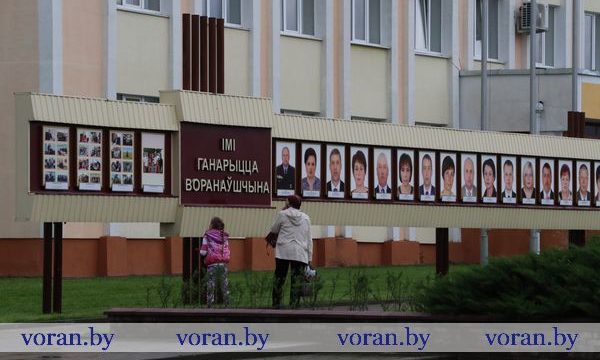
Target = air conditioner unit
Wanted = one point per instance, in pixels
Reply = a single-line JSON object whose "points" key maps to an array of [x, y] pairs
{"points": [[524, 21]]}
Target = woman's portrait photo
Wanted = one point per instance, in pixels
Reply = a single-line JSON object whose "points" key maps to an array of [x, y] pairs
{"points": [[488, 174], [468, 191], [528, 193], [583, 195], [565, 193], [405, 175], [597, 197], [359, 182], [311, 182], [448, 171], [508, 179]]}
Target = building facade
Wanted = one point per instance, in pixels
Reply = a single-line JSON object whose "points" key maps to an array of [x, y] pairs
{"points": [[414, 62]]}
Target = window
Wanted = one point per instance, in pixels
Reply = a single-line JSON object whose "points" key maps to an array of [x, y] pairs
{"points": [[592, 42], [298, 16], [366, 21], [492, 28], [428, 25], [138, 98], [152, 5], [231, 8], [545, 41]]}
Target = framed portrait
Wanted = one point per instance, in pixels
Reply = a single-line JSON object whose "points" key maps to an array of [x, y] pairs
{"points": [[383, 170], [55, 155], [153, 162], [468, 191], [565, 183], [311, 174], [583, 194], [406, 176], [547, 194], [359, 169], [336, 171], [528, 181], [596, 177], [121, 155], [508, 169], [489, 174], [89, 159], [427, 190], [285, 168], [448, 177]]}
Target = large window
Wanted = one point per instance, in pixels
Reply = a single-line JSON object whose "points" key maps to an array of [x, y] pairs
{"points": [[366, 21], [152, 5], [428, 25], [545, 41], [592, 42], [230, 10], [493, 14], [298, 16]]}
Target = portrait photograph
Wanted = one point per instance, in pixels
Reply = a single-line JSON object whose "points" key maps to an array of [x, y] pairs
{"points": [[468, 190], [528, 187], [427, 190], [336, 171], [285, 168], [508, 168], [448, 177], [565, 183], [359, 168], [583, 195], [383, 170], [597, 182], [153, 161], [406, 174], [547, 194], [311, 174], [489, 193]]}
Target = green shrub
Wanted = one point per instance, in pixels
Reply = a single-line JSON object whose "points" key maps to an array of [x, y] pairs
{"points": [[555, 284]]}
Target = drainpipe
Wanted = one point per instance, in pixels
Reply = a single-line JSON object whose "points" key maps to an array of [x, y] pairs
{"points": [[484, 107], [534, 120]]}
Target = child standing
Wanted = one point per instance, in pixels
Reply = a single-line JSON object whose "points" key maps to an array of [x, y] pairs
{"points": [[215, 248]]}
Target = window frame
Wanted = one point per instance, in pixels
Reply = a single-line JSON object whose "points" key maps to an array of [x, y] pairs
{"points": [[224, 13], [367, 16], [542, 50], [427, 35], [141, 7], [594, 49], [477, 44], [299, 19]]}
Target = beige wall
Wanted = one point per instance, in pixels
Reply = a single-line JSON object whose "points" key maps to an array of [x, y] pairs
{"points": [[432, 90], [370, 88], [370, 233], [491, 65], [142, 55], [237, 62], [300, 74], [19, 71], [591, 5], [425, 235], [83, 49]]}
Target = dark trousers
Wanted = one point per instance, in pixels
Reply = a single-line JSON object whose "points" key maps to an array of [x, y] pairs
{"points": [[281, 270]]}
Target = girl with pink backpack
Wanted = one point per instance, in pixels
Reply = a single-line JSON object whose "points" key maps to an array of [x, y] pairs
{"points": [[215, 249]]}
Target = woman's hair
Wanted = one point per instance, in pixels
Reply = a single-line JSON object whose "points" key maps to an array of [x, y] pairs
{"points": [[447, 164], [308, 153], [564, 169], [405, 161], [217, 223], [360, 158], [490, 163], [295, 201], [528, 165]]}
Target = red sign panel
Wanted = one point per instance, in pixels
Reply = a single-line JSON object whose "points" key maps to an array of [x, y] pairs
{"points": [[225, 165]]}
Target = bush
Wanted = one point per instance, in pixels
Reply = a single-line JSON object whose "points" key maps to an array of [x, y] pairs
{"points": [[555, 284]]}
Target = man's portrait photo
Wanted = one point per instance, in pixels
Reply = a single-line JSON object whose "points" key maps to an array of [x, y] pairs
{"points": [[335, 171], [285, 171], [547, 181], [583, 195], [509, 183], [383, 169], [427, 171], [468, 191]]}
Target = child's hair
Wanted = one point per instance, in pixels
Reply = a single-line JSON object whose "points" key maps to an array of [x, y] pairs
{"points": [[217, 224]]}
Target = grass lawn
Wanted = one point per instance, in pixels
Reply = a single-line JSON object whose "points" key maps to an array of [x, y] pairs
{"points": [[21, 298]]}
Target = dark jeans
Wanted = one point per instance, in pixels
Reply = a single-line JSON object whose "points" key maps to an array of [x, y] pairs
{"points": [[281, 270]]}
